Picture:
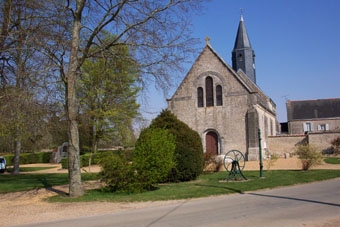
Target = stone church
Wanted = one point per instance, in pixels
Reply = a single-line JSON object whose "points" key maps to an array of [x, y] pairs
{"points": [[223, 103]]}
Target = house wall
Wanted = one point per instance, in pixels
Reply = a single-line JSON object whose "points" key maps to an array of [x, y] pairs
{"points": [[296, 127]]}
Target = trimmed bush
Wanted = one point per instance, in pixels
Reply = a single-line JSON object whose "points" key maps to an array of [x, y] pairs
{"points": [[189, 149], [309, 156], [153, 157], [152, 160], [117, 173]]}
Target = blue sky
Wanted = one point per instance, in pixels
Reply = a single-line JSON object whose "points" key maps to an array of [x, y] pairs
{"points": [[296, 42]]}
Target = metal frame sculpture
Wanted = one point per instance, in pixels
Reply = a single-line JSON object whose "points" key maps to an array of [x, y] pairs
{"points": [[234, 163]]}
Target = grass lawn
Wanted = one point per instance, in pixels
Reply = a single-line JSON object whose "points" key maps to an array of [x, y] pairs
{"points": [[332, 160], [205, 185], [210, 185], [29, 169], [23, 182]]}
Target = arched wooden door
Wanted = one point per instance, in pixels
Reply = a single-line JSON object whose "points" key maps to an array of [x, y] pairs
{"points": [[211, 143]]}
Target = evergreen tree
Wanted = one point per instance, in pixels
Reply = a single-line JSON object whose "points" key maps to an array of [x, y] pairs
{"points": [[189, 149]]}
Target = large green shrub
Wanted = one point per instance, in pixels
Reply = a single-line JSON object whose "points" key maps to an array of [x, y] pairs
{"points": [[309, 156], [151, 162], [153, 157], [189, 149]]}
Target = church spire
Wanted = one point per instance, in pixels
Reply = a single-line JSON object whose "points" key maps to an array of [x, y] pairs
{"points": [[243, 56]]}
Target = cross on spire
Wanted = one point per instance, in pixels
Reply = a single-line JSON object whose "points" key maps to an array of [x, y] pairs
{"points": [[207, 40], [241, 12]]}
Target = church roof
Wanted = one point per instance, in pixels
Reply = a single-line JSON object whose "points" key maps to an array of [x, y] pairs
{"points": [[240, 75], [242, 40], [243, 79], [313, 109]]}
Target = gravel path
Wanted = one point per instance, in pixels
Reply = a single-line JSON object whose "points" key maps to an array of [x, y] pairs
{"points": [[30, 207]]}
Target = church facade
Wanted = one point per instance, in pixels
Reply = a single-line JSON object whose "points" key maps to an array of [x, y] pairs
{"points": [[223, 103]]}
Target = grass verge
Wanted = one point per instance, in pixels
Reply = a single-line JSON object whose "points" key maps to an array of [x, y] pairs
{"points": [[24, 182], [206, 185], [29, 169], [332, 160], [209, 185]]}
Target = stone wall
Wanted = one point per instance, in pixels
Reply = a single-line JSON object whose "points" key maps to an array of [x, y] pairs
{"points": [[282, 145], [323, 140]]}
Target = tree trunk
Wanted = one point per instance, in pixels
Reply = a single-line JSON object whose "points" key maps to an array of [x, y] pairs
{"points": [[16, 161], [94, 141], [75, 187]]}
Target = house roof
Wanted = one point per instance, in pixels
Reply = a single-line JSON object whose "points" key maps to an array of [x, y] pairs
{"points": [[313, 109]]}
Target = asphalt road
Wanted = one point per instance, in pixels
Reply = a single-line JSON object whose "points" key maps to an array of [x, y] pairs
{"points": [[312, 204]]}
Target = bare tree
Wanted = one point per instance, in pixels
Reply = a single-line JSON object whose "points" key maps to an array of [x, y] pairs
{"points": [[157, 33], [26, 74]]}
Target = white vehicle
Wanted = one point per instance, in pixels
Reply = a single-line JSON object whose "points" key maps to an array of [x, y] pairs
{"points": [[2, 164]]}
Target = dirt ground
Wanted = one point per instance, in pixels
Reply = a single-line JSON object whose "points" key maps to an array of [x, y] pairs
{"points": [[30, 206]]}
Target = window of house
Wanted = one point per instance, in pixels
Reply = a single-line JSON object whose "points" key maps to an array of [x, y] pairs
{"points": [[200, 97], [323, 127], [209, 91], [308, 127], [219, 100]]}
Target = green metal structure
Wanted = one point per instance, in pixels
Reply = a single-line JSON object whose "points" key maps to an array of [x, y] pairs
{"points": [[234, 163]]}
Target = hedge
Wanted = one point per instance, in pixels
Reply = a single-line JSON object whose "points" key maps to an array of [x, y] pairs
{"points": [[29, 158], [84, 160]]}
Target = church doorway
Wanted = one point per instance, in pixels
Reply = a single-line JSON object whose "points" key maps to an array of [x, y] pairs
{"points": [[211, 143]]}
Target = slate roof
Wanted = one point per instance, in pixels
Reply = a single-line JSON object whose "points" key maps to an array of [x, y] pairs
{"points": [[242, 40], [313, 109]]}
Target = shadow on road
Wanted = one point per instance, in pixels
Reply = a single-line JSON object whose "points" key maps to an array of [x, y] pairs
{"points": [[296, 199]]}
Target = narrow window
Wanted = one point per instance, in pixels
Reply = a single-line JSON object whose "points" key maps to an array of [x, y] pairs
{"points": [[323, 127], [308, 127], [199, 97], [219, 100], [209, 91]]}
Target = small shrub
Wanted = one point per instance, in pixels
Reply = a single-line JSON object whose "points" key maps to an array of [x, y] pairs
{"points": [[309, 156], [212, 163], [272, 158], [336, 145]]}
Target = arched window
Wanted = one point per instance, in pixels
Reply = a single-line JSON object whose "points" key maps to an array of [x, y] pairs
{"points": [[209, 91], [219, 99], [200, 97]]}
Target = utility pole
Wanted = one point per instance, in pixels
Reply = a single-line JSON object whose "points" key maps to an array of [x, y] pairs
{"points": [[260, 153]]}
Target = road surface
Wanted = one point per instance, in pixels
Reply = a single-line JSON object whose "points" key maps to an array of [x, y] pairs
{"points": [[313, 204]]}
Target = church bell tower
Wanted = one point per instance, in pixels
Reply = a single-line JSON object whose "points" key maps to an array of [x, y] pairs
{"points": [[243, 56]]}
